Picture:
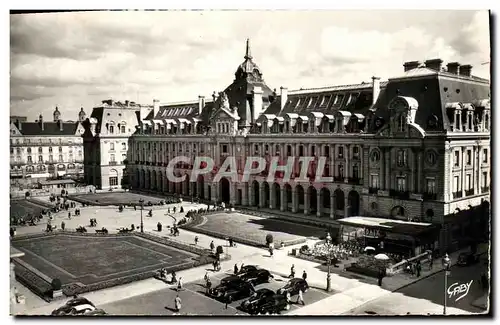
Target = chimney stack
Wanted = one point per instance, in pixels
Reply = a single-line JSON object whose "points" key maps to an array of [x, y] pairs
{"points": [[201, 104], [156, 107], [434, 64], [453, 67], [375, 89], [410, 65], [284, 96], [257, 102], [466, 70], [19, 125], [40, 120]]}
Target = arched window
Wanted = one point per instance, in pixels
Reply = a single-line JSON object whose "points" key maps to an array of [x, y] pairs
{"points": [[401, 123], [28, 150], [124, 146], [50, 149], [111, 146], [60, 149], [40, 150]]}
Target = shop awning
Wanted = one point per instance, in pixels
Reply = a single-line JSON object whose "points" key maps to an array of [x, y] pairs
{"points": [[389, 225]]}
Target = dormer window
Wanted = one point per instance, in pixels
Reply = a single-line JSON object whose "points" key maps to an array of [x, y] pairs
{"points": [[401, 123], [325, 100], [298, 103], [349, 99], [310, 103]]}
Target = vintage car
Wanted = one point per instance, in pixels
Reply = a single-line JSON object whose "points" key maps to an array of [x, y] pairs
{"points": [[231, 289], [293, 286], [273, 305], [256, 276], [258, 298], [68, 307]]}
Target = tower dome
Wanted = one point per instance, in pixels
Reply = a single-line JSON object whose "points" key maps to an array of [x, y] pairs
{"points": [[57, 114], [81, 115]]}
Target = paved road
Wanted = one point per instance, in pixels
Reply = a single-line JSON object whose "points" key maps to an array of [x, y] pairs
{"points": [[427, 295], [196, 302]]}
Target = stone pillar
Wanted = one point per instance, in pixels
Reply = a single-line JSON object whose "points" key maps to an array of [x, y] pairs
{"points": [[462, 170], [295, 201], [332, 206], [262, 196], [420, 171], [382, 170], [319, 203], [244, 195], [283, 200], [347, 170], [272, 198], [346, 206], [251, 195], [387, 166], [306, 202]]}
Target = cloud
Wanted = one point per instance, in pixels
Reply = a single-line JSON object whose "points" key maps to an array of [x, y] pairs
{"points": [[80, 58]]}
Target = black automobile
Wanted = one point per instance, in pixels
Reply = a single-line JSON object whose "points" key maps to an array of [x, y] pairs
{"points": [[273, 305], [258, 298], [293, 286], [231, 289], [71, 304], [246, 269], [256, 276], [465, 259]]}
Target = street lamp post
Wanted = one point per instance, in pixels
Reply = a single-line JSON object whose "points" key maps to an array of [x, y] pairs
{"points": [[141, 201], [446, 266], [329, 257]]}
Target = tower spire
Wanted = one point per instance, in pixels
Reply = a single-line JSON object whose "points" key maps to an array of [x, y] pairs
{"points": [[248, 53]]}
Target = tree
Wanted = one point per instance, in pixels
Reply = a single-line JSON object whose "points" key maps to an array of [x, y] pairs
{"points": [[56, 284], [269, 239]]}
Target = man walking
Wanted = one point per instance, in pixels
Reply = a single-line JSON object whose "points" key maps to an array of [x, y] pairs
{"points": [[235, 269], [419, 268], [208, 285], [300, 298], [63, 225], [178, 303], [212, 246], [179, 284], [304, 275], [196, 240], [292, 271]]}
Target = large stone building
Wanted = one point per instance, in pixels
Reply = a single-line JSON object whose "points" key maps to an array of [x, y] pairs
{"points": [[414, 147], [106, 142], [44, 149]]}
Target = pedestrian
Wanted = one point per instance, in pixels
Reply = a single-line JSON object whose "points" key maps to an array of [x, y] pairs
{"points": [[288, 297], [241, 267], [380, 277], [419, 269], [292, 271], [212, 246], [168, 210], [230, 242], [178, 303], [63, 225], [235, 269], [208, 286], [196, 240], [214, 264], [431, 260], [69, 215], [206, 277], [179, 284], [135, 207], [300, 298], [175, 208], [304, 275]]}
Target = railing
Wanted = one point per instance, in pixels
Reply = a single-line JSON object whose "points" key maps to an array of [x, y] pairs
{"points": [[429, 196], [485, 189], [457, 195], [469, 192], [403, 195], [373, 190], [399, 267]]}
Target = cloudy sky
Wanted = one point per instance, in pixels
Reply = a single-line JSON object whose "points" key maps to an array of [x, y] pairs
{"points": [[78, 59]]}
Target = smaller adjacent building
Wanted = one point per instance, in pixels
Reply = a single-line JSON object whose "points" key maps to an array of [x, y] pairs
{"points": [[45, 149], [106, 142]]}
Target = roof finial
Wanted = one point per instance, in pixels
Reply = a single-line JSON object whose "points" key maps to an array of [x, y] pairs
{"points": [[248, 54]]}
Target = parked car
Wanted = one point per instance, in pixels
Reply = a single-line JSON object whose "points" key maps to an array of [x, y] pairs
{"points": [[81, 309], [257, 299], [247, 268], [66, 309], [231, 289], [257, 276], [273, 305], [97, 312], [465, 259], [293, 286]]}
